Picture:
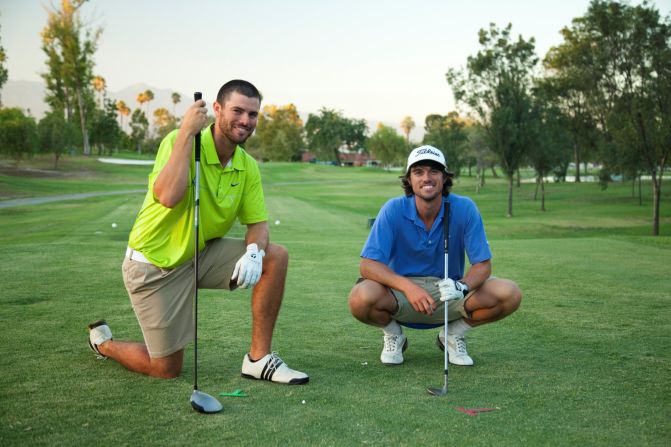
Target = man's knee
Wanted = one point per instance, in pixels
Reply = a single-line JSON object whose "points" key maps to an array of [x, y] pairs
{"points": [[501, 293], [168, 367], [514, 296], [363, 297], [277, 256], [510, 295], [356, 299]]}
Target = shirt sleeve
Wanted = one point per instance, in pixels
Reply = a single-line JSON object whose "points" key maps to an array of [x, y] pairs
{"points": [[379, 244], [162, 157], [475, 239], [253, 209]]}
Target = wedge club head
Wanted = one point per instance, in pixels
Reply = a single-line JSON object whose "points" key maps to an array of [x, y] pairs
{"points": [[204, 403], [437, 391]]}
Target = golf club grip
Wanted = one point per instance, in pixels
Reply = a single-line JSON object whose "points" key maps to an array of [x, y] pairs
{"points": [[197, 96]]}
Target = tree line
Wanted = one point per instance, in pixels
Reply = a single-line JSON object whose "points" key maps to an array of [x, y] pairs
{"points": [[601, 96]]}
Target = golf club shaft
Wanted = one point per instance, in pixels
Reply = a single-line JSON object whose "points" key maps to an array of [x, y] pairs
{"points": [[446, 228], [196, 96]]}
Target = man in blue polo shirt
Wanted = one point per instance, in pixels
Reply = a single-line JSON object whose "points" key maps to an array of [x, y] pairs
{"points": [[402, 265]]}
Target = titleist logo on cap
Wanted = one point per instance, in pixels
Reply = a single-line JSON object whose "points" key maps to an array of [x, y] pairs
{"points": [[426, 150]]}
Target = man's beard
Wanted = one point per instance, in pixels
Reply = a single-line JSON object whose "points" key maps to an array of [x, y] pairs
{"points": [[428, 198], [230, 134]]}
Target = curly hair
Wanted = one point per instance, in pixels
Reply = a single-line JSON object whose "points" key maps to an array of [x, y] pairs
{"points": [[448, 176]]}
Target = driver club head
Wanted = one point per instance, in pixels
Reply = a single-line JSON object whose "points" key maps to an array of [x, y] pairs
{"points": [[437, 391], [204, 403]]}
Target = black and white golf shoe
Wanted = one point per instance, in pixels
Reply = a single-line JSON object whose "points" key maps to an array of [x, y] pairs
{"points": [[99, 333], [272, 368]]}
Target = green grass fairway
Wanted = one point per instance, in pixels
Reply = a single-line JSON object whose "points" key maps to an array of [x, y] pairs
{"points": [[585, 360]]}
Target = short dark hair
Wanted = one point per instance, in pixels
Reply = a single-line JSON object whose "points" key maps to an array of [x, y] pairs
{"points": [[240, 86], [447, 186]]}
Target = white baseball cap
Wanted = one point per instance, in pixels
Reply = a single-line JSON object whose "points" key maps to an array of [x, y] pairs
{"points": [[425, 152]]}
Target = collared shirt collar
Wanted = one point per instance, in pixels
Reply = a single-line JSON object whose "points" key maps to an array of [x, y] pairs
{"points": [[410, 211], [211, 156]]}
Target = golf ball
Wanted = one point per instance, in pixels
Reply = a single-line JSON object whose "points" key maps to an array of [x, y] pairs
{"points": [[114, 225], [277, 222], [303, 402]]}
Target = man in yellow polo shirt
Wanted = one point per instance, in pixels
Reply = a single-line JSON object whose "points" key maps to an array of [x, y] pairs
{"points": [[158, 268]]}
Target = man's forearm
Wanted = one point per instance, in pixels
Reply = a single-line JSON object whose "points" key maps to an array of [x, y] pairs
{"points": [[172, 182], [258, 234], [382, 274], [477, 274]]}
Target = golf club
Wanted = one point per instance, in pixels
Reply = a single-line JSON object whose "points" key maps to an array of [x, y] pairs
{"points": [[446, 228], [201, 402]]}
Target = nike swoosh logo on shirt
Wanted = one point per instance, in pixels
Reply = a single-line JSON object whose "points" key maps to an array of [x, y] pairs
{"points": [[235, 184]]}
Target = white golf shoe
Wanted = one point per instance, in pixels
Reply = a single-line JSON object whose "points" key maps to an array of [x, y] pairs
{"points": [[99, 333], [272, 368], [456, 348], [394, 345]]}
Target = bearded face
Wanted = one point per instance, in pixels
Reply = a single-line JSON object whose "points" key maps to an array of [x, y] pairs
{"points": [[236, 119]]}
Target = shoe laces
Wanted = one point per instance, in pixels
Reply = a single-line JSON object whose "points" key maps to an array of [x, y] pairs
{"points": [[274, 361], [460, 344], [391, 343]]}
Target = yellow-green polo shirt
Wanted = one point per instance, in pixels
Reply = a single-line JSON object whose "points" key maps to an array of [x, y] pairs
{"points": [[166, 235]]}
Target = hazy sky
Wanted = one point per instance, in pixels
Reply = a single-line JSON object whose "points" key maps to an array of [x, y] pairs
{"points": [[378, 60]]}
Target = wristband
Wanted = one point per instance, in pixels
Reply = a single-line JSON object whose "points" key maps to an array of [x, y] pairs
{"points": [[464, 287]]}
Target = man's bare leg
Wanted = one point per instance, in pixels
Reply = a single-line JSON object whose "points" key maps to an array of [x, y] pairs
{"points": [[135, 357], [267, 299]]}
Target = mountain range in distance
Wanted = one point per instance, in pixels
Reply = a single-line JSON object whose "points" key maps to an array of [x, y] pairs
{"points": [[29, 96]]}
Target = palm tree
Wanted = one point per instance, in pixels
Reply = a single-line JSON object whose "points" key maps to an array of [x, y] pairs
{"points": [[123, 110], [141, 98], [149, 96], [176, 99], [407, 125], [99, 85]]}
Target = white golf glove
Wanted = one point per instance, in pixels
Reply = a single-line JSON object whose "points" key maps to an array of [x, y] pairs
{"points": [[451, 289], [249, 267]]}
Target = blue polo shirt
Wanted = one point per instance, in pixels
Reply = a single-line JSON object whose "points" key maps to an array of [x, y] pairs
{"points": [[400, 240]]}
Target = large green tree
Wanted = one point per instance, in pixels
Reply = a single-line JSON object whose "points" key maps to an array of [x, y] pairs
{"points": [[18, 134], [70, 47], [448, 134], [105, 130], [479, 148], [56, 135], [550, 142], [387, 145], [496, 86], [329, 130], [570, 86], [280, 133], [625, 52], [139, 126]]}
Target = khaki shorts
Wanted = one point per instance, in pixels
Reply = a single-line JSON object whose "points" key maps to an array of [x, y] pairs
{"points": [[407, 314], [163, 298]]}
